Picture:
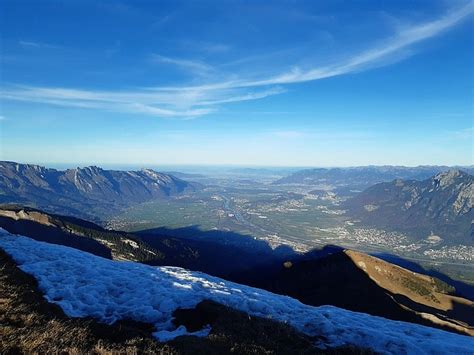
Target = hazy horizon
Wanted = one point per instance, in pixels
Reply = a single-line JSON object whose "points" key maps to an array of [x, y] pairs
{"points": [[191, 167]]}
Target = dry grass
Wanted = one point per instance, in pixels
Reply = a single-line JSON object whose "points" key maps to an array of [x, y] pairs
{"points": [[29, 324], [419, 293]]}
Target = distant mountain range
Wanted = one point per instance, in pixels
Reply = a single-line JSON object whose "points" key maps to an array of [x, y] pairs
{"points": [[362, 177], [84, 189], [442, 205]]}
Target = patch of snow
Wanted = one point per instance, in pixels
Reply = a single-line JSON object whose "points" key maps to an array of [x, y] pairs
{"points": [[167, 335], [87, 285], [132, 243]]}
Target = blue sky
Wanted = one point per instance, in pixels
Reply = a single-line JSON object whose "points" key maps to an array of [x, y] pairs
{"points": [[280, 83]]}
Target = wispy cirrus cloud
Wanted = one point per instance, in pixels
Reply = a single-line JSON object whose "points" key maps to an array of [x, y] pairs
{"points": [[173, 104], [405, 38], [197, 100], [197, 67], [34, 44], [29, 44]]}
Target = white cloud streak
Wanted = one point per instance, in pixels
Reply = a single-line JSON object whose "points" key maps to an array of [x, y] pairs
{"points": [[183, 104], [194, 101], [29, 44], [194, 66], [404, 38], [36, 45]]}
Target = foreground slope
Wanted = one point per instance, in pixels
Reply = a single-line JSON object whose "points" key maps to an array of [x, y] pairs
{"points": [[426, 296], [30, 324], [87, 285], [360, 282]]}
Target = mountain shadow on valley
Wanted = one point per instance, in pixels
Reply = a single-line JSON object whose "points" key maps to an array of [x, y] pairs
{"points": [[220, 253]]}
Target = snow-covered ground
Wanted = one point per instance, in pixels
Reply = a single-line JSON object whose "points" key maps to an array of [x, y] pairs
{"points": [[87, 285]]}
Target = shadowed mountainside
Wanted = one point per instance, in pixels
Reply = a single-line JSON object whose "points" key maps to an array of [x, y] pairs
{"points": [[442, 205], [84, 189], [363, 283]]}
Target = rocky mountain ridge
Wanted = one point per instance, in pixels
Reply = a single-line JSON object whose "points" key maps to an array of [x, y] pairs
{"points": [[442, 205], [80, 189], [363, 176]]}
